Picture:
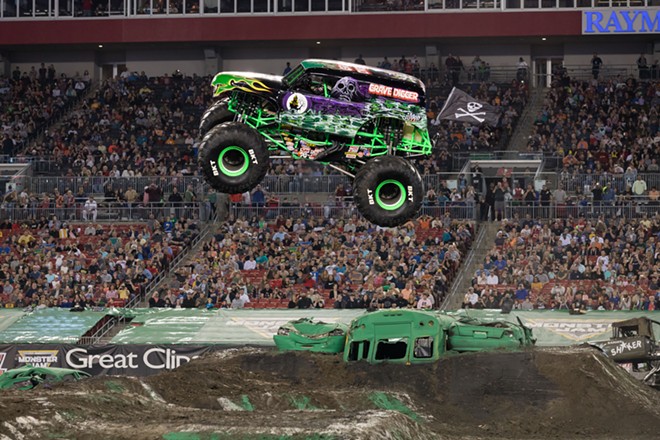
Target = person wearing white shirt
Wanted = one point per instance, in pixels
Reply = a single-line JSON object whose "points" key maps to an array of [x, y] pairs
{"points": [[473, 298], [425, 302], [250, 264], [492, 279], [90, 208], [245, 298], [603, 260]]}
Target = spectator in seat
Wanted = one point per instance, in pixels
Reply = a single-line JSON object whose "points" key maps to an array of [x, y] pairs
{"points": [[304, 302], [317, 299], [639, 187], [90, 209]]}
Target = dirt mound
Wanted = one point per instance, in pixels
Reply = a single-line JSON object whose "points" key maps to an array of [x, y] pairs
{"points": [[263, 394]]}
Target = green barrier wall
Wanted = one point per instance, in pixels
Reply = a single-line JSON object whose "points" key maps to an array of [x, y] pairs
{"points": [[257, 327], [46, 326], [8, 317]]}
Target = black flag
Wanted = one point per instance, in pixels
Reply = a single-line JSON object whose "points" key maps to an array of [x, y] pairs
{"points": [[462, 107]]}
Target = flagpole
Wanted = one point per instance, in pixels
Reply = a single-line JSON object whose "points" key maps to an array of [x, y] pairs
{"points": [[447, 101]]}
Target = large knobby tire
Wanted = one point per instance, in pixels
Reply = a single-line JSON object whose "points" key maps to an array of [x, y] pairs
{"points": [[216, 114], [388, 191], [233, 158]]}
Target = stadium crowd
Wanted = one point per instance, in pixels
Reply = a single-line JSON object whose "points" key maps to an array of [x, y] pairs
{"points": [[317, 262], [29, 101], [139, 126], [600, 127], [571, 263], [51, 263]]}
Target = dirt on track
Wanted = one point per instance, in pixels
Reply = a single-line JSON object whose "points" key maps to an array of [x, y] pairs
{"points": [[261, 394]]}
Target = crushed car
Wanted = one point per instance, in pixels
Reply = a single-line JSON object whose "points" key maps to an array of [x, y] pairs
{"points": [[305, 334], [405, 336], [29, 377], [364, 122]]}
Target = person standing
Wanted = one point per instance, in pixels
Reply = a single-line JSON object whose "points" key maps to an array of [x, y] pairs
{"points": [[596, 63], [643, 67], [521, 69]]}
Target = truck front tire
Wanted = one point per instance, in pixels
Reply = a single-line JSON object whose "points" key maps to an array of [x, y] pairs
{"points": [[233, 158]]}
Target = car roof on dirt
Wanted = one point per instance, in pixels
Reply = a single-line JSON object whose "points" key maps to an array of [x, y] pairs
{"points": [[365, 73]]}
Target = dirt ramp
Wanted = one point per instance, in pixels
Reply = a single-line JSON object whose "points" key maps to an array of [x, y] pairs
{"points": [[262, 394], [532, 394]]}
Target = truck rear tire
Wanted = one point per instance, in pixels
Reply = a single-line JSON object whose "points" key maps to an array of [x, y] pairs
{"points": [[233, 158], [388, 191]]}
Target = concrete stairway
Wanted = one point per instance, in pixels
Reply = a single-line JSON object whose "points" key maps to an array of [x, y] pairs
{"points": [[474, 259], [524, 128], [205, 234]]}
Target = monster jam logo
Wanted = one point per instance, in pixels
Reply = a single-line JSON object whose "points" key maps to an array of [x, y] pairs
{"points": [[573, 329], [297, 103], [2, 362], [37, 358]]}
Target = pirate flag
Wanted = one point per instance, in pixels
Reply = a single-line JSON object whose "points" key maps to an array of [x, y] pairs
{"points": [[462, 107]]}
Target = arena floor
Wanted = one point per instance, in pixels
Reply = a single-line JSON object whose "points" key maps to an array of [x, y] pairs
{"points": [[261, 394]]}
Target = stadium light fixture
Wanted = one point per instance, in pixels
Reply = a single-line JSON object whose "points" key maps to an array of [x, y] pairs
{"points": [[100, 46]]}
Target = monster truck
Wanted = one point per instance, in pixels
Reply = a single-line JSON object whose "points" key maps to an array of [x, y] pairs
{"points": [[362, 121], [634, 346]]}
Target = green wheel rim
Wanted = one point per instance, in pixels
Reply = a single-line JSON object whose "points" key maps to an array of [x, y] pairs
{"points": [[393, 195], [233, 161]]}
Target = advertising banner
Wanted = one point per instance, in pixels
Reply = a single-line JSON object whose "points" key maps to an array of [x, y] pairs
{"points": [[621, 21], [116, 360], [129, 360]]}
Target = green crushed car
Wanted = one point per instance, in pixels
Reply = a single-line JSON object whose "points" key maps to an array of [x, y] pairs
{"points": [[362, 121], [471, 334], [307, 335], [28, 377], [405, 336]]}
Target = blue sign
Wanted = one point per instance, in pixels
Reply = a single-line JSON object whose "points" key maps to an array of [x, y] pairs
{"points": [[621, 21]]}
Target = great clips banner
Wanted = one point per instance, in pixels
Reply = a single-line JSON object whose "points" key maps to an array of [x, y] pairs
{"points": [[116, 360]]}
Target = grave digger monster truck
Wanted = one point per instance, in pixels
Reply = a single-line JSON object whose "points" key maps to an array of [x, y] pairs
{"points": [[362, 121]]}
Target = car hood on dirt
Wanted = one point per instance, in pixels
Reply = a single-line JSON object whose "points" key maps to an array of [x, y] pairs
{"points": [[308, 327]]}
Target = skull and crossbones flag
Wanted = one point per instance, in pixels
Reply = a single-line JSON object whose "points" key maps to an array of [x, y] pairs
{"points": [[462, 107]]}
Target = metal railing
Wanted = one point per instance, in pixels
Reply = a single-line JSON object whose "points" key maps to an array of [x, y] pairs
{"points": [[101, 332], [98, 184], [48, 9], [619, 209], [583, 183], [105, 213], [464, 212], [279, 184]]}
